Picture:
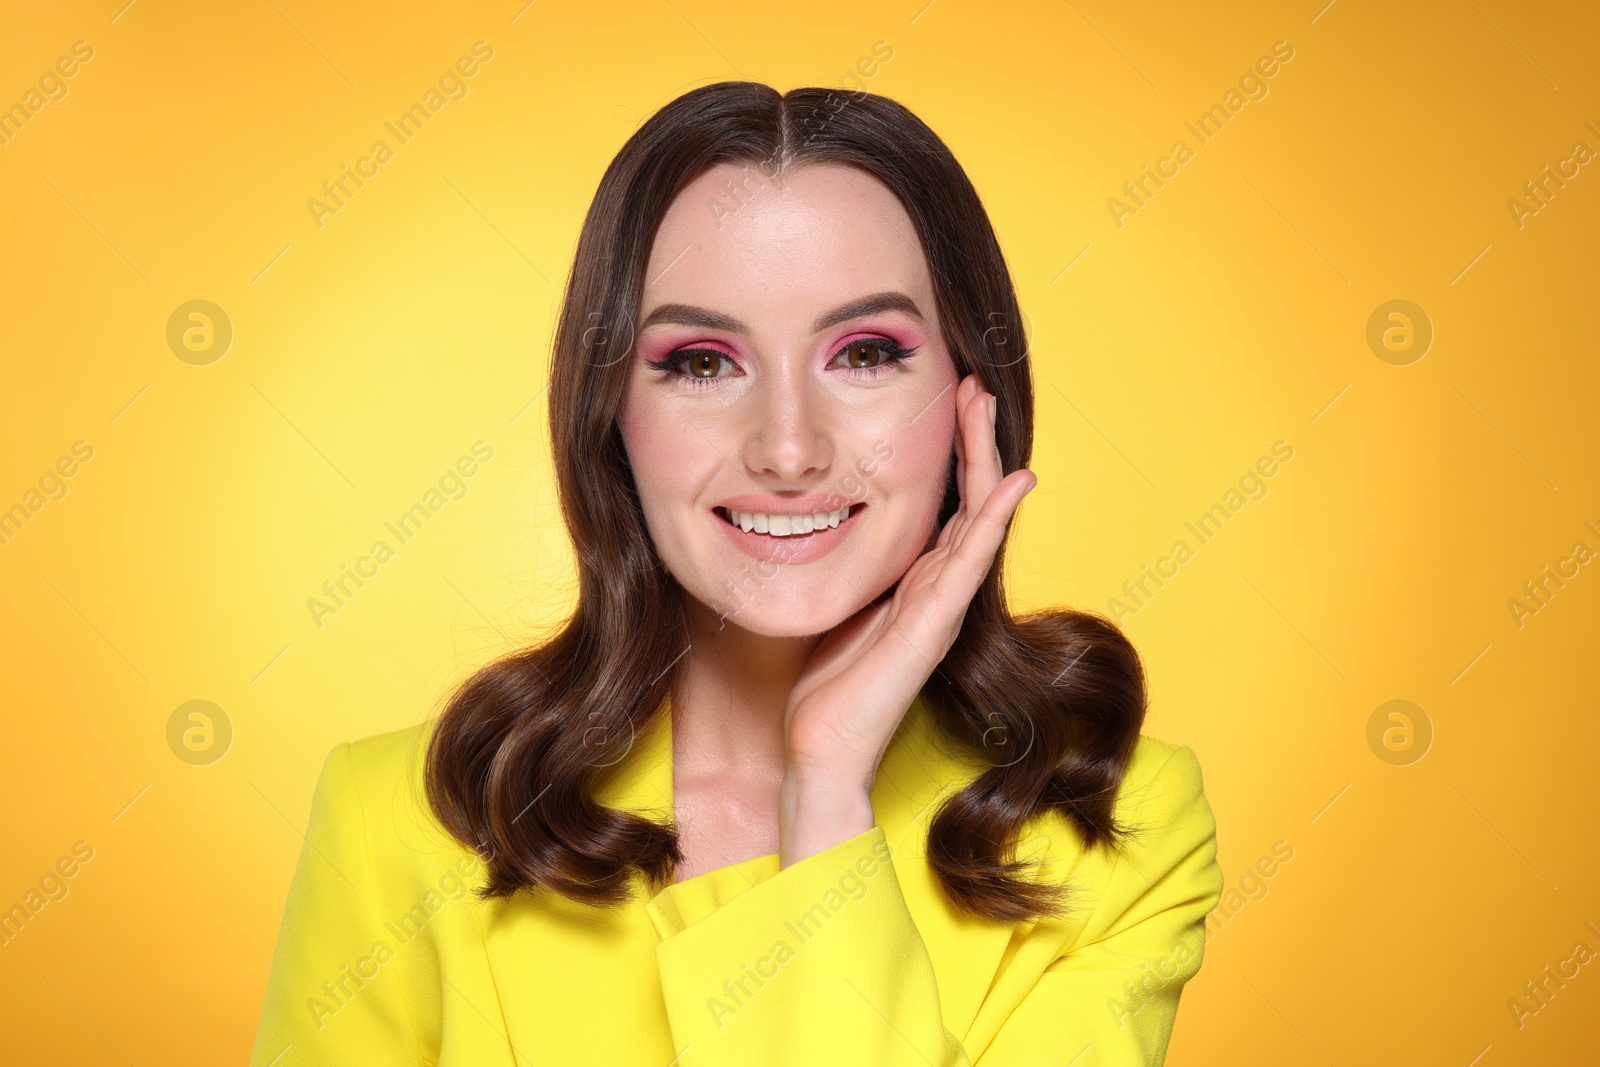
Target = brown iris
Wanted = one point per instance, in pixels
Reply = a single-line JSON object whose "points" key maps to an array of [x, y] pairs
{"points": [[704, 364], [854, 358]]}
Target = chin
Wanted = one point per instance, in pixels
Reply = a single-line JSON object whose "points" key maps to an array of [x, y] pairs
{"points": [[775, 612], [770, 622]]}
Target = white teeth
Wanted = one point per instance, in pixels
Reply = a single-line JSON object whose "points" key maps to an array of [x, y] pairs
{"points": [[785, 525]]}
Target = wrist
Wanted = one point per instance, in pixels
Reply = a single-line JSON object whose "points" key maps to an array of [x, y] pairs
{"points": [[816, 814]]}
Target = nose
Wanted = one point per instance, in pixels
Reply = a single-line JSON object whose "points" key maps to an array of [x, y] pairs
{"points": [[789, 438]]}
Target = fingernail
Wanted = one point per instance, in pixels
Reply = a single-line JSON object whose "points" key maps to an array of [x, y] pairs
{"points": [[993, 408]]}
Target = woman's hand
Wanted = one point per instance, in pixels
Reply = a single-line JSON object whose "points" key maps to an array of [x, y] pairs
{"points": [[862, 677]]}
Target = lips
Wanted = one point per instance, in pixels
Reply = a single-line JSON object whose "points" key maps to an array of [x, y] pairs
{"points": [[793, 548]]}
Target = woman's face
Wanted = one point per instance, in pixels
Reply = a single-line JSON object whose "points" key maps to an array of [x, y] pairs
{"points": [[788, 364]]}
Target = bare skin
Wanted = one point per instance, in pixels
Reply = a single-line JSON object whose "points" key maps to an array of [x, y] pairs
{"points": [[728, 761]]}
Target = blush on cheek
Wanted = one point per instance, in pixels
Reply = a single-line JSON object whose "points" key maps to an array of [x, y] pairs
{"points": [[632, 418], [642, 433], [922, 448], [908, 464]]}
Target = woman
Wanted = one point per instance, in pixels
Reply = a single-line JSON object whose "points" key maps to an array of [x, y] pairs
{"points": [[791, 786]]}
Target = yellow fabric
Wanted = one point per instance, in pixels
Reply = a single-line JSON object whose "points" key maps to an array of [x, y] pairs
{"points": [[851, 956]]}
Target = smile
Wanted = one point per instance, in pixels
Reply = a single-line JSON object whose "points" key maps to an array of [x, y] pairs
{"points": [[784, 525], [788, 538]]}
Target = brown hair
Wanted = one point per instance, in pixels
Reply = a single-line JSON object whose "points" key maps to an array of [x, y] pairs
{"points": [[1054, 701]]}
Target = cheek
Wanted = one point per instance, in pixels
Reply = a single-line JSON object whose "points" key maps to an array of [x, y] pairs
{"points": [[671, 462], [929, 442], [652, 433], [912, 461], [922, 450], [650, 443]]}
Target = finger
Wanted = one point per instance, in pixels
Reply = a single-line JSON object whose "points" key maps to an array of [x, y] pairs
{"points": [[972, 554], [964, 394], [966, 388], [961, 454], [969, 409], [967, 562], [951, 527], [974, 428], [983, 456]]}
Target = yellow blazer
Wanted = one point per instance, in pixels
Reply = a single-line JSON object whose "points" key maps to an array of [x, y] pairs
{"points": [[851, 956]]}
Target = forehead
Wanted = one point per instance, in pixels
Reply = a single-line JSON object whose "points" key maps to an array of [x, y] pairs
{"points": [[818, 236]]}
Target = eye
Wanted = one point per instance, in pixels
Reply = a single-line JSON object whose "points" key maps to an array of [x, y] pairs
{"points": [[871, 357], [703, 365]]}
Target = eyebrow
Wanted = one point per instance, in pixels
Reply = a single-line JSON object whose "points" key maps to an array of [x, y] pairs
{"points": [[705, 319]]}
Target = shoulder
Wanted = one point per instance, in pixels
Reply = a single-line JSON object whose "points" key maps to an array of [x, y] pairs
{"points": [[1162, 793], [385, 765], [1167, 863], [1162, 784], [1167, 860], [385, 759], [1162, 804], [371, 792]]}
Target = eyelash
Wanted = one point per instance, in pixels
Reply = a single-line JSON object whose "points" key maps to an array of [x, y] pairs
{"points": [[893, 355]]}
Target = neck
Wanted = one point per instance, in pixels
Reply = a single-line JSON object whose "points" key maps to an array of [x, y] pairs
{"points": [[728, 711]]}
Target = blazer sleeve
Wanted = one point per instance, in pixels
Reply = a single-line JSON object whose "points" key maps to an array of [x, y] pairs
{"points": [[823, 963], [331, 997]]}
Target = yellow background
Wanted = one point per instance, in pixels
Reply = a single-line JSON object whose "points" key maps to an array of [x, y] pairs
{"points": [[1228, 313]]}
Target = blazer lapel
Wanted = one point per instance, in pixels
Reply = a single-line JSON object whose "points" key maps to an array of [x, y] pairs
{"points": [[573, 976], [916, 776]]}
